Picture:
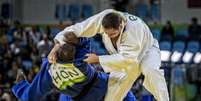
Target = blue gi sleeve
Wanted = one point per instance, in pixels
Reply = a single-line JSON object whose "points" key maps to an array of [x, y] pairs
{"points": [[41, 84], [63, 97], [130, 97]]}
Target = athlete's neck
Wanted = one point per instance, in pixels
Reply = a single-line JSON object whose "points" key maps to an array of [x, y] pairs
{"points": [[114, 41]]}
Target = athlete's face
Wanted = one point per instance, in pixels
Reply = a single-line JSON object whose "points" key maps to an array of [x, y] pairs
{"points": [[113, 33]]}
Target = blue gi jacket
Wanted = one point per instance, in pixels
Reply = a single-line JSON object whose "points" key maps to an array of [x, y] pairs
{"points": [[93, 88]]}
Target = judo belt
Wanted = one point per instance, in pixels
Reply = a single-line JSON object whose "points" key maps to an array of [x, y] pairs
{"points": [[86, 88]]}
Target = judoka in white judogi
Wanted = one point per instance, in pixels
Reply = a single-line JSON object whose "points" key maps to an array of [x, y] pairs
{"points": [[136, 52]]}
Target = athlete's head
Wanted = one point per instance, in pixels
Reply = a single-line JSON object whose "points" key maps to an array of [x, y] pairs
{"points": [[112, 24], [66, 53], [71, 38]]}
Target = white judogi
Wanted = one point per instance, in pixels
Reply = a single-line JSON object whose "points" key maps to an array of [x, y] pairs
{"points": [[137, 52]]}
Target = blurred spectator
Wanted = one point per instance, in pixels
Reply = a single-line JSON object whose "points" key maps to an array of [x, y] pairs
{"points": [[44, 46], [3, 49], [5, 54], [167, 31], [34, 54], [7, 59], [3, 26], [3, 41], [18, 33], [194, 29], [15, 47], [18, 60], [30, 75], [155, 10], [48, 31], [12, 74], [35, 34], [2, 81], [36, 66], [4, 96], [120, 5]]}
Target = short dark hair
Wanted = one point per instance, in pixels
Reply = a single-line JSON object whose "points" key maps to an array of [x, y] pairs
{"points": [[112, 20], [66, 53]]}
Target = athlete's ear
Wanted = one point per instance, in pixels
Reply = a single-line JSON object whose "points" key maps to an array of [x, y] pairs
{"points": [[71, 38]]}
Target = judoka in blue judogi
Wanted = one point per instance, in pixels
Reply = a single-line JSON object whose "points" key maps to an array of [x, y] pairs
{"points": [[75, 79]]}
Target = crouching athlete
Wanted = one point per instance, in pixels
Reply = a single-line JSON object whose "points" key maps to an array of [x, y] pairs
{"points": [[70, 75]]}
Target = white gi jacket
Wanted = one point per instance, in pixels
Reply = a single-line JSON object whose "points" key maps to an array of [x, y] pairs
{"points": [[133, 43]]}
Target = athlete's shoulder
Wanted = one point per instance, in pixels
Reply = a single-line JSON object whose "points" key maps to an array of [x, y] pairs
{"points": [[132, 18], [133, 21], [109, 10]]}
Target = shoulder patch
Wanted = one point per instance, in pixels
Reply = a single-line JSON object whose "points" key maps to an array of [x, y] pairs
{"points": [[132, 18]]}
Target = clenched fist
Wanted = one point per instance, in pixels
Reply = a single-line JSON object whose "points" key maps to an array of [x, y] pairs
{"points": [[52, 57], [91, 58]]}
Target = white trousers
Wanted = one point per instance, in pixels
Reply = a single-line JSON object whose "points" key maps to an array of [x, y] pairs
{"points": [[154, 80]]}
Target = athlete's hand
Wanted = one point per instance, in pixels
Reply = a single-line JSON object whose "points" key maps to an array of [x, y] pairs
{"points": [[91, 58], [52, 57]]}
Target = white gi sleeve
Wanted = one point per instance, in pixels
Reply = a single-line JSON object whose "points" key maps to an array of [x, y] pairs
{"points": [[120, 61], [87, 28]]}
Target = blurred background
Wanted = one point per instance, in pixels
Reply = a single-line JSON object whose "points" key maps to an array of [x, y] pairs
{"points": [[27, 28]]}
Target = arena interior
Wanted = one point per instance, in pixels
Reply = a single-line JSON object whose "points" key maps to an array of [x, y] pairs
{"points": [[27, 29]]}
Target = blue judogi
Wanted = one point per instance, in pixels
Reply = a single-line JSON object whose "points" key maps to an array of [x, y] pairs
{"points": [[93, 88], [40, 85]]}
